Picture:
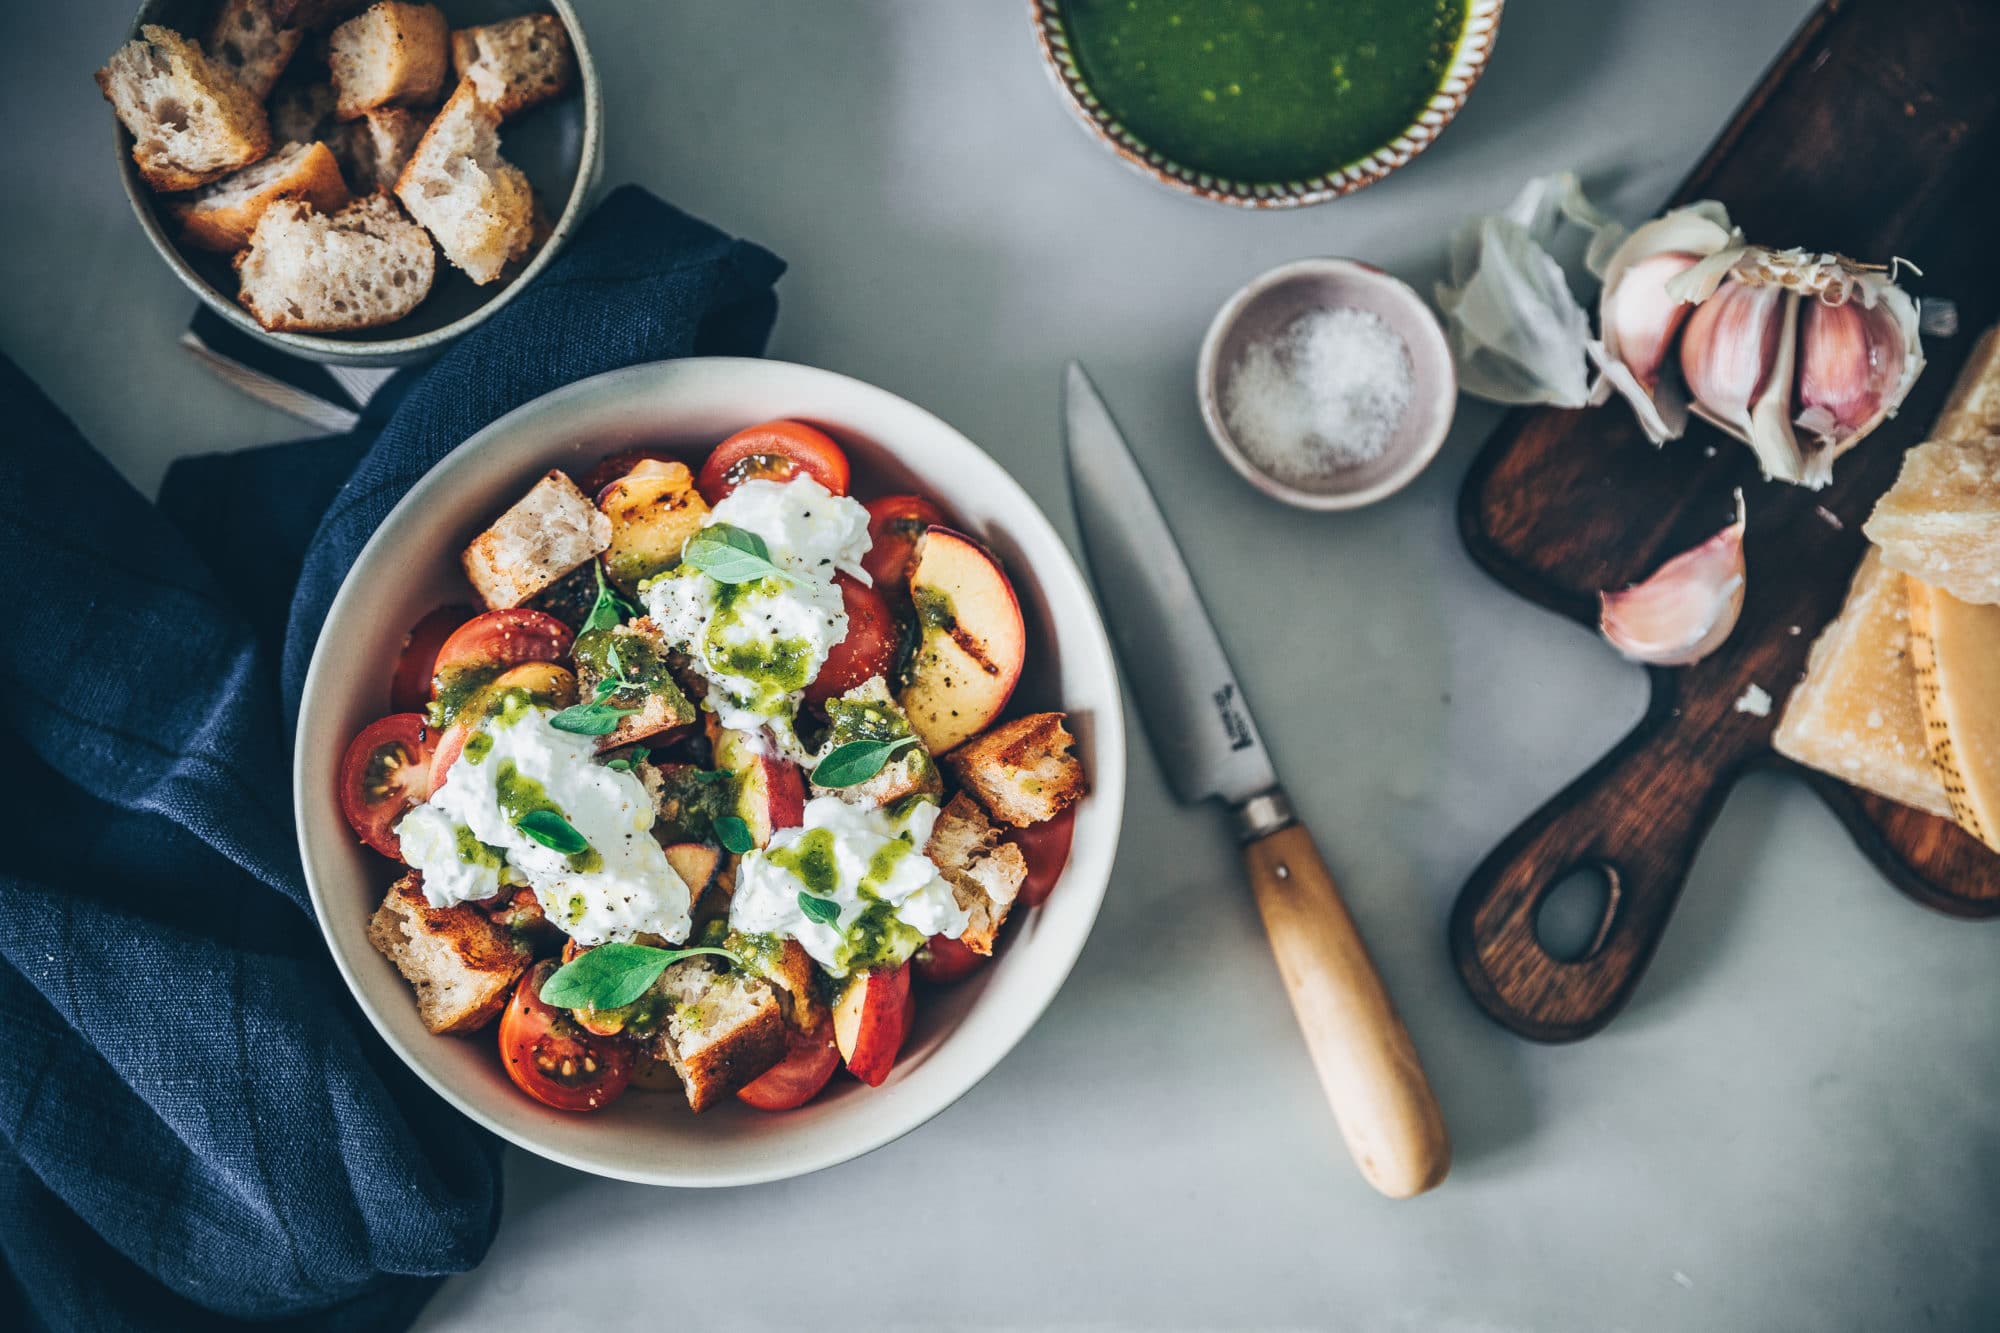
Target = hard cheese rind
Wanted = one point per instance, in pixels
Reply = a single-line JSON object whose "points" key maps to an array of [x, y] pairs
{"points": [[1855, 715], [1940, 522], [1955, 649]]}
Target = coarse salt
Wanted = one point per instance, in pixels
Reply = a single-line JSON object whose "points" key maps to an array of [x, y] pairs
{"points": [[1325, 394]]}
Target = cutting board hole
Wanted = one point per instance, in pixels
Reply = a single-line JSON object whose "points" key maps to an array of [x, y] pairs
{"points": [[1574, 916]]}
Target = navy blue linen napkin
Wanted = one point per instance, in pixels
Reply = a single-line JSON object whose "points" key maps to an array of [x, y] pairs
{"points": [[196, 1127]]}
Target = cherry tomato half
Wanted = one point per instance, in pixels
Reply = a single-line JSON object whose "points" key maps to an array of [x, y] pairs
{"points": [[810, 1059], [944, 959], [1045, 846], [774, 451], [551, 1058], [410, 687], [894, 524], [869, 649], [385, 771], [503, 639]]}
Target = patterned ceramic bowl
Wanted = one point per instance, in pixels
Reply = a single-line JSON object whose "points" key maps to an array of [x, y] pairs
{"points": [[1482, 17]]}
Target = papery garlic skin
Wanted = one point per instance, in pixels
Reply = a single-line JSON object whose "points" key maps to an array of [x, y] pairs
{"points": [[1687, 608]]}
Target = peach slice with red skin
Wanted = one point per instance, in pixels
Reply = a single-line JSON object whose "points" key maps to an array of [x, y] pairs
{"points": [[870, 1021], [770, 791], [972, 641]]}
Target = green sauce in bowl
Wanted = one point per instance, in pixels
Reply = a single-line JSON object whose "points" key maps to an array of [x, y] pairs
{"points": [[1262, 91]]}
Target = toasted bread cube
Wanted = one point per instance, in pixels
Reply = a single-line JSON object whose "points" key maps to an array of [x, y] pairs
{"points": [[392, 53], [476, 203], [517, 63], [641, 653], [362, 267], [462, 964], [1024, 772], [985, 873], [722, 1029], [249, 41], [549, 531], [222, 216], [868, 712], [190, 120], [374, 149]]}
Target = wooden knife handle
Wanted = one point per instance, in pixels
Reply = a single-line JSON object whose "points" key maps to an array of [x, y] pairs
{"points": [[1366, 1063]]}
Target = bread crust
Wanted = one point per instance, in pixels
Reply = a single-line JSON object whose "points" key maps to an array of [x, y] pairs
{"points": [[211, 223], [199, 80], [528, 61], [410, 73], [463, 981], [1024, 772]]}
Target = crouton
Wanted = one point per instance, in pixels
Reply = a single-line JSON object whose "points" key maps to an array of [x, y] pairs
{"points": [[985, 873], [302, 111], [191, 122], [549, 532], [305, 271], [391, 53], [869, 713], [462, 964], [634, 652], [515, 64], [721, 1029], [1024, 772], [476, 203], [374, 149], [785, 964], [248, 40], [223, 215]]}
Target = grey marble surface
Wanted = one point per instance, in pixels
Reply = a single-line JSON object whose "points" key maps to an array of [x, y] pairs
{"points": [[1795, 1126]]}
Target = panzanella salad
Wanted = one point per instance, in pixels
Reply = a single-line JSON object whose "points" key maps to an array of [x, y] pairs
{"points": [[719, 769]]}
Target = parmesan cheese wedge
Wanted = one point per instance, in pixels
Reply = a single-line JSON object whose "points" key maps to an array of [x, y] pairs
{"points": [[1855, 715], [1955, 649]]}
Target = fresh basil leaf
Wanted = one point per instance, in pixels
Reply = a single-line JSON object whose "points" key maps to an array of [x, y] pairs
{"points": [[553, 832], [711, 775], [823, 910], [619, 765], [605, 689], [729, 554], [611, 656], [857, 761], [592, 719], [612, 976], [733, 834], [609, 608]]}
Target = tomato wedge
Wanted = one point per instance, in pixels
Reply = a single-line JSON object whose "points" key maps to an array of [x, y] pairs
{"points": [[551, 1058], [1045, 846], [385, 771], [410, 687], [774, 451], [488, 644], [869, 649], [810, 1059], [894, 524], [944, 959]]}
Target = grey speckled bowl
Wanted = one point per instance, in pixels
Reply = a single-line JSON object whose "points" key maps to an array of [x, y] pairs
{"points": [[559, 146]]}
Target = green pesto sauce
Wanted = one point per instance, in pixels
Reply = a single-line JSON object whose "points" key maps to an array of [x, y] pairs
{"points": [[473, 852], [933, 608], [520, 795], [452, 690], [1270, 91], [691, 801], [811, 861], [878, 938], [776, 665], [477, 746], [644, 665]]}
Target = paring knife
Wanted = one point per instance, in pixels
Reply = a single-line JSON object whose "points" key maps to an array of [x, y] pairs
{"points": [[1208, 746]]}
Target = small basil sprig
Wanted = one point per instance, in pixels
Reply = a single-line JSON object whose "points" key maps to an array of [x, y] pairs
{"points": [[823, 910], [857, 761], [609, 608], [629, 762], [600, 717], [612, 976], [733, 834], [729, 554], [550, 829]]}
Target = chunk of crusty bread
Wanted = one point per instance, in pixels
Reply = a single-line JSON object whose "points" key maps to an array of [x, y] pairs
{"points": [[247, 39], [374, 149], [310, 272], [191, 122], [722, 1029], [461, 963], [476, 203], [663, 706], [517, 63], [911, 773], [1024, 772], [391, 52], [223, 215], [543, 536], [985, 873]]}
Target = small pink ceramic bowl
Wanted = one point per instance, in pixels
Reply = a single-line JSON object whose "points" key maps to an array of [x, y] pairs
{"points": [[1270, 302]]}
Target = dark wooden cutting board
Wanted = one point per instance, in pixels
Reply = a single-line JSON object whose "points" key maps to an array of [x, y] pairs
{"points": [[1876, 134]]}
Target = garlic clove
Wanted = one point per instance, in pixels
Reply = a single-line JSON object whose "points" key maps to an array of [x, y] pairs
{"points": [[1687, 608], [1639, 314], [1641, 321], [1728, 349], [1858, 359]]}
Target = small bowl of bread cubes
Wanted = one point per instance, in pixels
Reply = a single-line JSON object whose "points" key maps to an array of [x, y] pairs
{"points": [[353, 182]]}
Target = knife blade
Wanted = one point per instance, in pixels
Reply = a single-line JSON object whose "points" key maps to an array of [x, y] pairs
{"points": [[1208, 745]]}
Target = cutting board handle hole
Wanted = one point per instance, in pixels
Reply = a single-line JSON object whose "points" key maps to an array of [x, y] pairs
{"points": [[1573, 918]]}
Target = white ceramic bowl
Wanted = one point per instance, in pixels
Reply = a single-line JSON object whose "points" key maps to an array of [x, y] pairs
{"points": [[411, 565]]}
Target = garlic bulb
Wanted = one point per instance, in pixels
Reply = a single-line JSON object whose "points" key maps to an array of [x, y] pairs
{"points": [[1638, 319], [1687, 608]]}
